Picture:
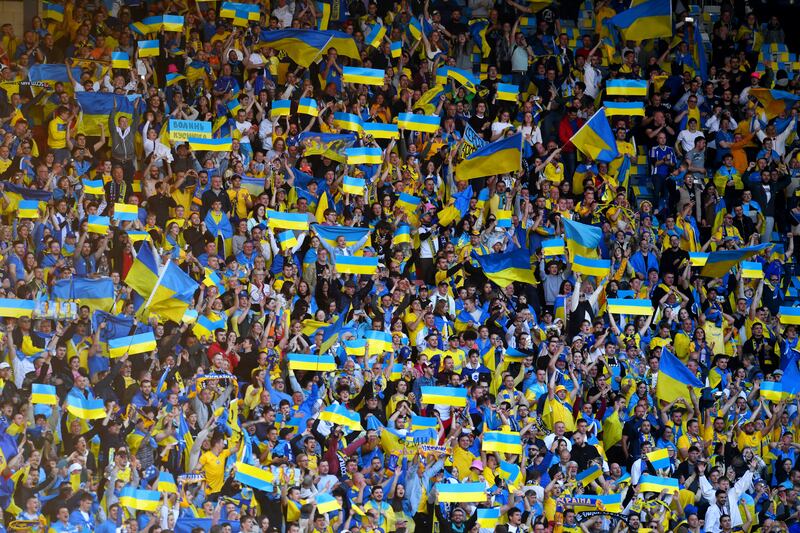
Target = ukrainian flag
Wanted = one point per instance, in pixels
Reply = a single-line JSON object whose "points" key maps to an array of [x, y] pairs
{"points": [[582, 239], [397, 49], [149, 48], [281, 220], [120, 60], [503, 218], [648, 20], [789, 315], [97, 107], [402, 235], [211, 145], [28, 209], [610, 503], [488, 518], [126, 212], [774, 101], [650, 483], [173, 78], [502, 441], [379, 342], [139, 499], [633, 109], [280, 108], [477, 29], [659, 458], [626, 306], [353, 185], [132, 345], [308, 106], [347, 121], [424, 422], [229, 10], [414, 28], [408, 202], [507, 92], [85, 409], [304, 47], [553, 247], [466, 78], [166, 483], [234, 106], [507, 267], [721, 262], [698, 258], [321, 363], [379, 130], [414, 122], [375, 36], [206, 328], [428, 102], [97, 293], [461, 492], [624, 87], [341, 416], [43, 394], [172, 22], [330, 234], [287, 240], [500, 157], [51, 74], [773, 391], [93, 187], [511, 473], [327, 503], [171, 294], [351, 264], [254, 477], [355, 347], [364, 156], [595, 138], [591, 267], [98, 224], [452, 396], [752, 270], [140, 28], [588, 475], [674, 379], [137, 236], [53, 11]]}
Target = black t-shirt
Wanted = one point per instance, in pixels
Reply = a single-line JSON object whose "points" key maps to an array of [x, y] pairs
{"points": [[160, 205]]}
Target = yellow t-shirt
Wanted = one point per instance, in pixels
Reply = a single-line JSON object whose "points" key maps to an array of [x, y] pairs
{"points": [[57, 134], [214, 469]]}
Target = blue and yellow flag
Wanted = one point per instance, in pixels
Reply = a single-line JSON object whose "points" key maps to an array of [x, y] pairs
{"points": [[364, 156], [721, 262], [647, 20], [282, 220], [477, 29], [461, 492], [659, 458], [306, 46], [53, 11], [417, 122], [351, 264], [140, 499], [674, 379], [85, 409], [500, 157], [774, 101], [341, 416], [254, 477], [591, 267], [502, 441], [452, 396], [595, 138], [132, 345], [97, 107], [379, 130], [582, 239], [375, 35], [96, 293], [43, 394], [507, 267]]}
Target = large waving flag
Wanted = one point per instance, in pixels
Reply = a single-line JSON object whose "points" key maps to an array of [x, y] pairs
{"points": [[171, 294], [507, 267], [306, 46], [53, 73], [595, 138], [774, 101], [96, 108], [647, 20], [720, 263], [674, 379], [97, 293], [582, 239], [500, 157], [341, 416], [140, 499]]}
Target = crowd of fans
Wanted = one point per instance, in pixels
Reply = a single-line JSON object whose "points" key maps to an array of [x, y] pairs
{"points": [[709, 167]]}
